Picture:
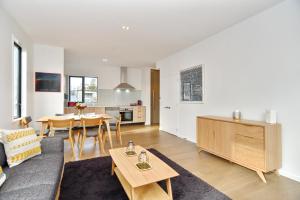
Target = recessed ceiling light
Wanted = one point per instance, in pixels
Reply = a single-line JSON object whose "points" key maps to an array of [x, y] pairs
{"points": [[126, 28], [104, 59]]}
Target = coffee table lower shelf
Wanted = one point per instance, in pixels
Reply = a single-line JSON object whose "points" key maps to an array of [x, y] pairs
{"points": [[147, 192]]}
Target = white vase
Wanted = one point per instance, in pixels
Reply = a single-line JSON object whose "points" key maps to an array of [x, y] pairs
{"points": [[271, 116]]}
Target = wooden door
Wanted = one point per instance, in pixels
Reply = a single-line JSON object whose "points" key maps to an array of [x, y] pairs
{"points": [[155, 96], [206, 135], [215, 136], [224, 138]]}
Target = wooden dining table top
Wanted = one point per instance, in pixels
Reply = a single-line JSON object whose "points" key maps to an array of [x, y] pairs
{"points": [[75, 117]]}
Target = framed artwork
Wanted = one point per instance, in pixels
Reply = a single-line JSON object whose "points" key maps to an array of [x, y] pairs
{"points": [[186, 91], [47, 82], [192, 84]]}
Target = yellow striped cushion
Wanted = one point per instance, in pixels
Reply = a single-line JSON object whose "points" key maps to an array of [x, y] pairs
{"points": [[2, 176], [20, 145]]}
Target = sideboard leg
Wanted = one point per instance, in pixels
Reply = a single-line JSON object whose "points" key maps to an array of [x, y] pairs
{"points": [[261, 176], [199, 149]]}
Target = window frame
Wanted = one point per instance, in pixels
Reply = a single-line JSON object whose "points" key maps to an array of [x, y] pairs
{"points": [[19, 100], [83, 87]]}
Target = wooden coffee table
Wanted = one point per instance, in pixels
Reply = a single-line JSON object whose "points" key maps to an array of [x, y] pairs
{"points": [[142, 185]]}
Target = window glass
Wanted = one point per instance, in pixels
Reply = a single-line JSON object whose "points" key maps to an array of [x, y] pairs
{"points": [[91, 87], [76, 93], [83, 89], [17, 82]]}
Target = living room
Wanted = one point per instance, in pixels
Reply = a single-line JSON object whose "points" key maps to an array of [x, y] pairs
{"points": [[149, 100]]}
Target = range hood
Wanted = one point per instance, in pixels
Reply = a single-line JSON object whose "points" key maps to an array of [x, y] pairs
{"points": [[123, 81]]}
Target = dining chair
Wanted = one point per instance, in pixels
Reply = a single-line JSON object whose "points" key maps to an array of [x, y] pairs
{"points": [[115, 125], [89, 115], [63, 128], [76, 128], [25, 123], [91, 128]]}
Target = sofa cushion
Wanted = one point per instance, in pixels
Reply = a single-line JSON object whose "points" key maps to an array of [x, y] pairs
{"points": [[2, 176], [43, 169], [2, 155], [38, 192], [52, 145], [23, 181], [20, 145]]}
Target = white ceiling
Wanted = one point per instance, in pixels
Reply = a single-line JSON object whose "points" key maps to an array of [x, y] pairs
{"points": [[158, 28]]}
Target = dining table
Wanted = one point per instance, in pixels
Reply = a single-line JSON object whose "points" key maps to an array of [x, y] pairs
{"points": [[77, 122]]}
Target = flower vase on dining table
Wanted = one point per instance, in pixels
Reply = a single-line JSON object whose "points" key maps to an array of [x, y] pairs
{"points": [[80, 107]]}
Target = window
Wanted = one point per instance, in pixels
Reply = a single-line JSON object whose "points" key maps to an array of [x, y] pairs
{"points": [[76, 91], [83, 89], [17, 81], [90, 90]]}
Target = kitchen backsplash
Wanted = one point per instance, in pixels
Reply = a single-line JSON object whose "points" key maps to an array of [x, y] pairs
{"points": [[112, 97]]}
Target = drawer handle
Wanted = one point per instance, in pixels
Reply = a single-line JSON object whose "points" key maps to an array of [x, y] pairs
{"points": [[246, 136]]}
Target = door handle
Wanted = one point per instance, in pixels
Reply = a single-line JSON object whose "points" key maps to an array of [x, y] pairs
{"points": [[153, 104], [167, 107]]}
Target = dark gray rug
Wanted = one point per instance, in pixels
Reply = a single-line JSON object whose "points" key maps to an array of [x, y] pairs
{"points": [[91, 180]]}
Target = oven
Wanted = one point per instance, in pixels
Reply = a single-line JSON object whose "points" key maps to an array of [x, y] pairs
{"points": [[126, 114]]}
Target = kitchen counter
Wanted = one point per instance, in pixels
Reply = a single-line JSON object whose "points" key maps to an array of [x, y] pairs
{"points": [[136, 114], [110, 106]]}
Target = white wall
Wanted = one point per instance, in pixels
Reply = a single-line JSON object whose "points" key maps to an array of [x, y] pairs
{"points": [[108, 75], [9, 29], [48, 59], [252, 66], [146, 91]]}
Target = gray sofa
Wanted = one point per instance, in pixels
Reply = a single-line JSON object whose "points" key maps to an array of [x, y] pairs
{"points": [[37, 178]]}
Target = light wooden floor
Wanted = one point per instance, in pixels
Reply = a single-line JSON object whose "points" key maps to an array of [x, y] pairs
{"points": [[235, 181]]}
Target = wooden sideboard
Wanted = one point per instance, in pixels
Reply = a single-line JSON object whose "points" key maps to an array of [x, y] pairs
{"points": [[252, 144]]}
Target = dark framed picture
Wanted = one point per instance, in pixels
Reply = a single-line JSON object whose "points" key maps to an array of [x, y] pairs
{"points": [[192, 85], [47, 82], [186, 91]]}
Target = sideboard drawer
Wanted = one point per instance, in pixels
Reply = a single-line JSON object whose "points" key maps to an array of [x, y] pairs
{"points": [[249, 150], [249, 131]]}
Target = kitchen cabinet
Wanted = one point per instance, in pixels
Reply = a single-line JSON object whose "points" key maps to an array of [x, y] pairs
{"points": [[97, 110], [139, 114]]}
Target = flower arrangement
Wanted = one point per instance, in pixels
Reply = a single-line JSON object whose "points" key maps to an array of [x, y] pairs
{"points": [[80, 107]]}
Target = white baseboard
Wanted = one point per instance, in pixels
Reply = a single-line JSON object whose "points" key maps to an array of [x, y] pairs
{"points": [[191, 139], [289, 175]]}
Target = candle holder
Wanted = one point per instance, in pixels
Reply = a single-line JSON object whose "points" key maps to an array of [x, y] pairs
{"points": [[237, 115], [130, 150], [143, 161]]}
